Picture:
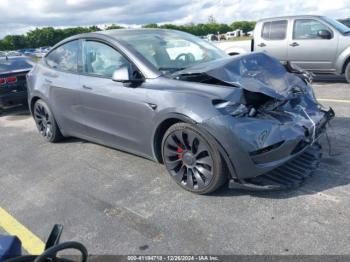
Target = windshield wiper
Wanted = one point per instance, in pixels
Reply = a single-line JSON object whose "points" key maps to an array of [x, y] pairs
{"points": [[171, 69]]}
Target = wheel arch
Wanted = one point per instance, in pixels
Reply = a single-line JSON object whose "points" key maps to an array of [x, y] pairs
{"points": [[342, 61], [32, 102], [162, 127], [347, 61]]}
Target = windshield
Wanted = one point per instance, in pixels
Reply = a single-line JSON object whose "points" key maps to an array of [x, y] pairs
{"points": [[171, 51], [337, 25]]}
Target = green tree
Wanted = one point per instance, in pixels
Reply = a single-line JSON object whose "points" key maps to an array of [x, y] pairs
{"points": [[114, 26], [150, 26], [246, 26], [49, 36]]}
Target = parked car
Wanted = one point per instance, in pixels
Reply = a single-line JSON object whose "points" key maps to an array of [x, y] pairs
{"points": [[212, 37], [28, 52], [13, 85], [234, 34], [13, 53], [209, 118], [315, 43]]}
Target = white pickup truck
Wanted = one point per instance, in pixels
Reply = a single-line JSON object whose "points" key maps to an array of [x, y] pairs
{"points": [[316, 43]]}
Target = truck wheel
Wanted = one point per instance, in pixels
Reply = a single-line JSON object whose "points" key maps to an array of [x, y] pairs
{"points": [[347, 73]]}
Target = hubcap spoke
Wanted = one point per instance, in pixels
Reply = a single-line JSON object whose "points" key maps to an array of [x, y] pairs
{"points": [[189, 178], [191, 138], [180, 175], [206, 173], [199, 179], [201, 148], [205, 160], [173, 164], [180, 138]]}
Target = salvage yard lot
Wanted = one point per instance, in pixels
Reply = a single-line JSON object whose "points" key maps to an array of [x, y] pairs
{"points": [[117, 203]]}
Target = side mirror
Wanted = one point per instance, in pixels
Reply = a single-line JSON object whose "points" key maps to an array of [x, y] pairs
{"points": [[324, 34], [122, 75]]}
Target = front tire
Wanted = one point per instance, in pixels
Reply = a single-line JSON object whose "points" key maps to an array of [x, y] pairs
{"points": [[192, 160], [45, 122], [347, 73]]}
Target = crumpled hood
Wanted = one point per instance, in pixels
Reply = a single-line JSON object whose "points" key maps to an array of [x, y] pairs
{"points": [[255, 72]]}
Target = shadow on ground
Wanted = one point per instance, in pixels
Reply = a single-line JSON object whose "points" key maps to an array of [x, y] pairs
{"points": [[17, 112]]}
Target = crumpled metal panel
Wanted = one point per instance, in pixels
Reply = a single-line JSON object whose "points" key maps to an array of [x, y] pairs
{"points": [[255, 72]]}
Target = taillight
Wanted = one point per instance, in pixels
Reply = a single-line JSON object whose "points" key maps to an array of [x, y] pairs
{"points": [[11, 79], [2, 81]]}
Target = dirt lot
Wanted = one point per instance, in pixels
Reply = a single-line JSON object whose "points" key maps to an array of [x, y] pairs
{"points": [[117, 203]]}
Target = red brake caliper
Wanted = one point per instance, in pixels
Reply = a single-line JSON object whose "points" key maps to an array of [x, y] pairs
{"points": [[179, 150]]}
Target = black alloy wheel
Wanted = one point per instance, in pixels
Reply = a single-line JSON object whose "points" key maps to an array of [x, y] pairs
{"points": [[45, 122], [193, 162]]}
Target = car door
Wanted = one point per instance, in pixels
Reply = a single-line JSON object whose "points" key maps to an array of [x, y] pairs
{"points": [[62, 86], [273, 39], [113, 113], [310, 50]]}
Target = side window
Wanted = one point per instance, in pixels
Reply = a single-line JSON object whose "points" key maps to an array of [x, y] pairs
{"points": [[101, 59], [64, 57], [308, 29], [275, 30]]}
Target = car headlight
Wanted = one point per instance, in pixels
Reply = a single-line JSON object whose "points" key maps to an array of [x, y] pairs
{"points": [[232, 108]]}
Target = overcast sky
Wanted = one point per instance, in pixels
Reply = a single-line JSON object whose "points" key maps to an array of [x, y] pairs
{"points": [[19, 16]]}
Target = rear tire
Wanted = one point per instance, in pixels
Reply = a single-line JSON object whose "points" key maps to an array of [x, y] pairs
{"points": [[192, 160], [45, 122], [347, 73]]}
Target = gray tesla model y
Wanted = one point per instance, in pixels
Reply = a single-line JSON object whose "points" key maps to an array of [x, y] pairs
{"points": [[171, 97]]}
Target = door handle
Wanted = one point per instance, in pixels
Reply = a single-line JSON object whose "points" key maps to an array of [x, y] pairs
{"points": [[262, 44], [48, 81], [87, 87], [294, 44]]}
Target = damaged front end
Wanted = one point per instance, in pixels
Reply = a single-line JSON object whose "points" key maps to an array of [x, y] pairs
{"points": [[269, 125]]}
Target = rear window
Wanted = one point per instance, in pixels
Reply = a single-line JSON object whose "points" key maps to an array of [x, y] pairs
{"points": [[275, 30]]}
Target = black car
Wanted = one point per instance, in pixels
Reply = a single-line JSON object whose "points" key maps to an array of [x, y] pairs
{"points": [[13, 85]]}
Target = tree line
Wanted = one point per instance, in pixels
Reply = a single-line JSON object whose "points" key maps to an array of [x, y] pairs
{"points": [[49, 36]]}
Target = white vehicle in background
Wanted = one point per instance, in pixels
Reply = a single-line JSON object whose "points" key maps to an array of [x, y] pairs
{"points": [[234, 34], [212, 37], [316, 43]]}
